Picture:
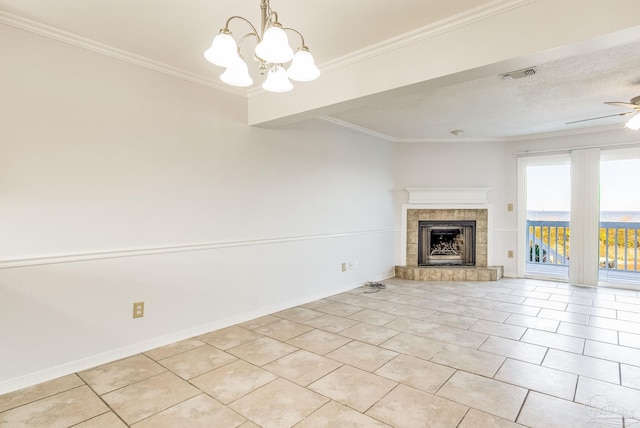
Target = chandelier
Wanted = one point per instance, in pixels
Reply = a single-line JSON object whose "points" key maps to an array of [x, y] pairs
{"points": [[271, 53]]}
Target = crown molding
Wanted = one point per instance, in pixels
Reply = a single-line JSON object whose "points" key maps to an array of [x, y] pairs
{"points": [[110, 51], [456, 21], [428, 31], [359, 129]]}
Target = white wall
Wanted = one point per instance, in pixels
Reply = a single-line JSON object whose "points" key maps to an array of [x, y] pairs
{"points": [[102, 157], [456, 164]]}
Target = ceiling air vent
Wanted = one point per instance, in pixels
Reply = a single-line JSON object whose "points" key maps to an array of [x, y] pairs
{"points": [[519, 74]]}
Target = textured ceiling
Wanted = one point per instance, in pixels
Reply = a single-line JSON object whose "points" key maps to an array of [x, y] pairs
{"points": [[176, 33], [562, 91]]}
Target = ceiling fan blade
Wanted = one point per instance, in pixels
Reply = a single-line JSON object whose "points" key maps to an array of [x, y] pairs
{"points": [[625, 105], [602, 117]]}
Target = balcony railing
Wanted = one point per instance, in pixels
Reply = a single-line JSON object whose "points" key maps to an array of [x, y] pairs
{"points": [[549, 246]]}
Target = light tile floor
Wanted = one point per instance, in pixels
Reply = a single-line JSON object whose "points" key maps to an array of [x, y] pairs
{"points": [[417, 354]]}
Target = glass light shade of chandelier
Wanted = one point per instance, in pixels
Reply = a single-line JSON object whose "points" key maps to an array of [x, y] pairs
{"points": [[274, 47], [237, 74], [223, 50], [634, 122], [303, 67], [277, 80], [271, 52]]}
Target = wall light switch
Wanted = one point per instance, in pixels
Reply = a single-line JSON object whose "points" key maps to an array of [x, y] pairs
{"points": [[509, 207]]}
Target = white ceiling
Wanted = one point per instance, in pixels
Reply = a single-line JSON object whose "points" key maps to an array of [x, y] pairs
{"points": [[176, 33]]}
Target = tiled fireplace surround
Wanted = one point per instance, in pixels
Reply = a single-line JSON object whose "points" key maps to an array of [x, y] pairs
{"points": [[480, 272]]}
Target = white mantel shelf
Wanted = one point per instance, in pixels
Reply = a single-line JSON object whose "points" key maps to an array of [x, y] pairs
{"points": [[448, 195]]}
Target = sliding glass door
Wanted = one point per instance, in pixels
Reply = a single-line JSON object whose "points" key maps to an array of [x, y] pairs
{"points": [[619, 235], [548, 201]]}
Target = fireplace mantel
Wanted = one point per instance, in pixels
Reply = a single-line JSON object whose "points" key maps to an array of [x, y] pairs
{"points": [[448, 195]]}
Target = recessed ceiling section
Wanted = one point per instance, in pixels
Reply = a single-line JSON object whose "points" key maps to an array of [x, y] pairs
{"points": [[491, 107]]}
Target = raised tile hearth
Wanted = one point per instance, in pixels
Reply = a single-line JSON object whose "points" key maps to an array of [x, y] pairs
{"points": [[449, 273]]}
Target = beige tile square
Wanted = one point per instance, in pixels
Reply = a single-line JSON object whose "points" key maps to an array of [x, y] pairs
{"points": [[562, 315], [145, 398], [498, 329], [340, 309], [258, 322], [111, 376], [409, 407], [232, 381], [408, 311], [626, 326], [173, 349], [353, 387], [299, 314], [452, 320], [39, 391], [262, 351], [537, 378], [593, 333], [544, 411], [415, 372], [554, 340], [513, 349], [630, 376], [369, 333], [471, 360], [607, 351], [278, 404], [231, 336], [334, 414], [373, 317], [331, 323], [283, 330], [319, 341], [547, 304], [302, 367], [516, 309], [609, 397], [200, 411], [105, 420], [362, 355], [413, 326], [627, 339], [477, 419], [533, 322], [197, 361], [595, 368], [315, 304], [457, 336], [417, 346], [589, 310], [485, 313], [488, 395], [57, 411]]}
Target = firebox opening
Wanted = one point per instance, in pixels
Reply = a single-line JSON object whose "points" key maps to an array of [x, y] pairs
{"points": [[446, 243]]}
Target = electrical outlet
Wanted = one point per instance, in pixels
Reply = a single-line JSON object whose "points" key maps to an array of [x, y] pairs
{"points": [[510, 254], [344, 266], [138, 309]]}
